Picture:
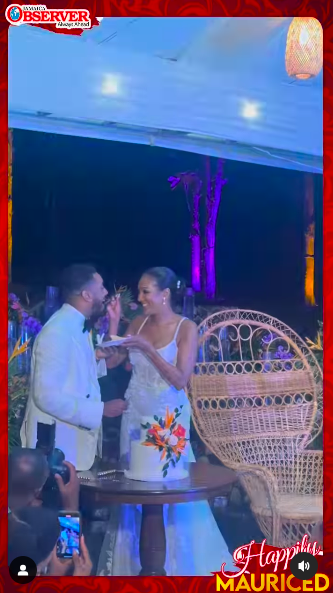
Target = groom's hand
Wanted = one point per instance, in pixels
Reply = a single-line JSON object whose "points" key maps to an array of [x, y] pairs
{"points": [[114, 408], [105, 353]]}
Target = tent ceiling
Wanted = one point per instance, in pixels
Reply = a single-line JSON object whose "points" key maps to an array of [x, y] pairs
{"points": [[181, 83], [168, 37]]}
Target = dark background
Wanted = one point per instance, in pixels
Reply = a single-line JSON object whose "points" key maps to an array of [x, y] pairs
{"points": [[109, 203]]}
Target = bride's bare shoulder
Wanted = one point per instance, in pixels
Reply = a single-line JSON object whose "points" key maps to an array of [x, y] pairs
{"points": [[135, 325], [187, 327]]}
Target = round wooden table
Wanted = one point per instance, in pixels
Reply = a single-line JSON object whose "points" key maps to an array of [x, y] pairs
{"points": [[205, 482]]}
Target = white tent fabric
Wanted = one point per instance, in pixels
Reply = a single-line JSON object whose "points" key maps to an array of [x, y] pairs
{"points": [[182, 83]]}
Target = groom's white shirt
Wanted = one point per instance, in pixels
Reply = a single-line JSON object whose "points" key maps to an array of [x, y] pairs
{"points": [[65, 388]]}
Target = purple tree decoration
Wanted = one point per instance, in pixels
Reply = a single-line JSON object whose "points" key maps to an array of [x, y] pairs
{"points": [[192, 184], [213, 200]]}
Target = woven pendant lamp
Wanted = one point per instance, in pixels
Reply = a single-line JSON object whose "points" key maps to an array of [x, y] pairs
{"points": [[304, 51]]}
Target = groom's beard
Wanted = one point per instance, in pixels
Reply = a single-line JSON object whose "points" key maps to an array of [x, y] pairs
{"points": [[99, 310], [94, 317]]}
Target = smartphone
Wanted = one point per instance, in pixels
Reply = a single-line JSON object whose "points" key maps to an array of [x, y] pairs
{"points": [[70, 534]]}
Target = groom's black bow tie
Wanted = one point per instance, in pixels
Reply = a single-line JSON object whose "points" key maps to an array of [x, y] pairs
{"points": [[87, 326]]}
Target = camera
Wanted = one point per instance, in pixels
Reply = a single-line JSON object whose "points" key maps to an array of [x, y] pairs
{"points": [[55, 459]]}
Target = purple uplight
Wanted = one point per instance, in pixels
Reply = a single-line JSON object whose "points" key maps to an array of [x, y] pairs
{"points": [[191, 184], [174, 181], [210, 273], [196, 281], [196, 244], [212, 204]]}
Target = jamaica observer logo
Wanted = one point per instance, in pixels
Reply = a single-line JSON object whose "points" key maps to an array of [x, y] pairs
{"points": [[39, 14]]}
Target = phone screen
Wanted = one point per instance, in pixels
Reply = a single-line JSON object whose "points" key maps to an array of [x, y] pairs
{"points": [[69, 538]]}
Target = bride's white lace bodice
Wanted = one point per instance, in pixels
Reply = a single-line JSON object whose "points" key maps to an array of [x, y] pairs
{"points": [[148, 394]]}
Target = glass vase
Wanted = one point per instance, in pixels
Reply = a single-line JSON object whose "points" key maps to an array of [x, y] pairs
{"points": [[24, 359], [12, 336], [51, 302]]}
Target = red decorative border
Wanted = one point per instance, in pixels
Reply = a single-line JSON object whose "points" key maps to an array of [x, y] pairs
{"points": [[153, 8]]}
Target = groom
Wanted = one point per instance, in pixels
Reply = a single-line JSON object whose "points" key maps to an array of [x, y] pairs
{"points": [[64, 383]]}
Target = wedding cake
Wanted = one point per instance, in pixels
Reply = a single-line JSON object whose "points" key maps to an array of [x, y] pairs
{"points": [[159, 453]]}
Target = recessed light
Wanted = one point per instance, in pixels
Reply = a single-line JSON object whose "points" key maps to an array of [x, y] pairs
{"points": [[110, 85], [250, 110]]}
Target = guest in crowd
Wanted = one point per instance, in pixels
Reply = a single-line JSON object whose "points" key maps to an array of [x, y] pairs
{"points": [[163, 351], [34, 532], [64, 378], [113, 381], [27, 474]]}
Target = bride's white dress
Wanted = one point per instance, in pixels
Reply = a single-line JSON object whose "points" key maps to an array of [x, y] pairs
{"points": [[194, 544]]}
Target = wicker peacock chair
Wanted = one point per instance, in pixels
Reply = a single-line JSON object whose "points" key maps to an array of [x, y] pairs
{"points": [[257, 404]]}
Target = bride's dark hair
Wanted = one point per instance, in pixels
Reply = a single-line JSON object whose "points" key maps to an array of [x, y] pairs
{"points": [[166, 278]]}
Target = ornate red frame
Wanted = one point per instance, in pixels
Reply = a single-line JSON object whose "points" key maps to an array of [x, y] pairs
{"points": [[160, 8]]}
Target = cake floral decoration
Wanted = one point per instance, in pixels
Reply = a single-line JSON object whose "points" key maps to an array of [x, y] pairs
{"points": [[168, 437]]}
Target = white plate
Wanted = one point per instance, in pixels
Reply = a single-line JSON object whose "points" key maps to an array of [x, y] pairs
{"points": [[183, 473], [111, 343]]}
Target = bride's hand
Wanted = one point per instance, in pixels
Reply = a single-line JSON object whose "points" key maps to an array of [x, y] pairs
{"points": [[138, 343], [114, 309]]}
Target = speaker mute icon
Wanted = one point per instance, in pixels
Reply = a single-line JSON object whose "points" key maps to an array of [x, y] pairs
{"points": [[303, 566]]}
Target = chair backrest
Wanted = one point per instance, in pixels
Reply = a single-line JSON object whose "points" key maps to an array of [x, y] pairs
{"points": [[256, 392]]}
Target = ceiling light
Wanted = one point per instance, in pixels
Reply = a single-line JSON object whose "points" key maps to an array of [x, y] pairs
{"points": [[110, 85], [250, 110]]}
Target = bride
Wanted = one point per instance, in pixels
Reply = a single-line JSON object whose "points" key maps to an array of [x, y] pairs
{"points": [[163, 353]]}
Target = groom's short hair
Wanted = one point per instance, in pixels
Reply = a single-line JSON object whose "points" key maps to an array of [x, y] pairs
{"points": [[75, 279]]}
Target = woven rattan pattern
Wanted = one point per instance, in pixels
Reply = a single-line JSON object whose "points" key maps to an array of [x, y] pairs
{"points": [[257, 403]]}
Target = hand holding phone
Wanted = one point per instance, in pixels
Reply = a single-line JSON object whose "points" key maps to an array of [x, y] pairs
{"points": [[68, 543], [59, 567], [82, 563]]}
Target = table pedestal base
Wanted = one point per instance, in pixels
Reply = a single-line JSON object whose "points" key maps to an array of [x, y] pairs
{"points": [[152, 541]]}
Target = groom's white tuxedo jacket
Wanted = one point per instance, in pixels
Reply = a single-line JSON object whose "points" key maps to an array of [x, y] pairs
{"points": [[65, 388]]}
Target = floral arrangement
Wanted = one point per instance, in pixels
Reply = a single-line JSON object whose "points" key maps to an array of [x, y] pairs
{"points": [[18, 381], [317, 346], [168, 437], [18, 388], [268, 338], [14, 308], [20, 316], [281, 352]]}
